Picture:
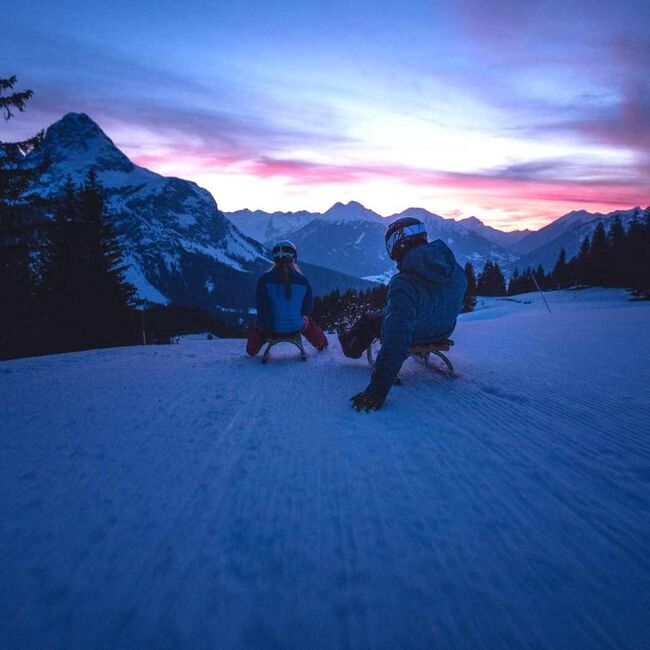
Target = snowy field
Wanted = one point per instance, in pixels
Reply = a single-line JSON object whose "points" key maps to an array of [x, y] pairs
{"points": [[186, 496]]}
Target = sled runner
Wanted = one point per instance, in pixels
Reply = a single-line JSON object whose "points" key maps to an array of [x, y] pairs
{"points": [[294, 339], [421, 353]]}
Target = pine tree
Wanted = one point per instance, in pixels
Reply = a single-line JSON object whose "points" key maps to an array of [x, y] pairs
{"points": [[635, 255], [109, 298], [19, 320], [597, 267], [513, 284], [469, 300], [560, 276], [491, 281], [615, 261], [582, 262], [89, 302], [644, 270], [62, 271]]}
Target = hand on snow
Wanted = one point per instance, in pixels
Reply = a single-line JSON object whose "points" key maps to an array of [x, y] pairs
{"points": [[365, 402]]}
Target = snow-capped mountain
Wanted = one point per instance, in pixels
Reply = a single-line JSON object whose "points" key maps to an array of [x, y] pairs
{"points": [[539, 238], [506, 240], [352, 212], [180, 246], [347, 237], [268, 227], [350, 237], [580, 225], [352, 247]]}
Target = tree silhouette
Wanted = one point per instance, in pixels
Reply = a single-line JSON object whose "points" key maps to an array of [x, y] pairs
{"points": [[491, 281], [18, 305], [560, 277], [89, 302], [469, 300]]}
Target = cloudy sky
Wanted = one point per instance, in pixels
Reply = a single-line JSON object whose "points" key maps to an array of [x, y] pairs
{"points": [[514, 111]]}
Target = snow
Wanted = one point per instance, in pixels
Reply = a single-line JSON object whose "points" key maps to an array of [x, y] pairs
{"points": [[144, 289], [187, 496], [382, 278]]}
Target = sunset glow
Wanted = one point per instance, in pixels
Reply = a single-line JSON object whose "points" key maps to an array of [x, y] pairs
{"points": [[515, 115]]}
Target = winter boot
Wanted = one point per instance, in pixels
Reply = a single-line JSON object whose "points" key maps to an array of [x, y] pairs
{"points": [[358, 338]]}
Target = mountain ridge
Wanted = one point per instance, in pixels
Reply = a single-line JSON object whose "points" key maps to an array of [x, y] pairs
{"points": [[180, 246]]}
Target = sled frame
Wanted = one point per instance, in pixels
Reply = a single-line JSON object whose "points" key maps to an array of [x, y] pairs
{"points": [[422, 354], [294, 339]]}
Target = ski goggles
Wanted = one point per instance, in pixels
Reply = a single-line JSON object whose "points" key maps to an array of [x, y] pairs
{"points": [[284, 250], [398, 235]]}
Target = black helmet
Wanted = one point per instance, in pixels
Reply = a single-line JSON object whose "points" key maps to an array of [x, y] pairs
{"points": [[402, 235], [285, 251]]}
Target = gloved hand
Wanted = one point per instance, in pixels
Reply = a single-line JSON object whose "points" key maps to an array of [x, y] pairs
{"points": [[365, 401]]}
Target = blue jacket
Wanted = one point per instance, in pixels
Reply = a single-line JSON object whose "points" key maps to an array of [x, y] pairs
{"points": [[278, 313], [423, 302]]}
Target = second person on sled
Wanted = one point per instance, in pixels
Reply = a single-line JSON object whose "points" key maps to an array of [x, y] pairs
{"points": [[284, 303]]}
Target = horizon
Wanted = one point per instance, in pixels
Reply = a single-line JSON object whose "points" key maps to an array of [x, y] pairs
{"points": [[534, 112]]}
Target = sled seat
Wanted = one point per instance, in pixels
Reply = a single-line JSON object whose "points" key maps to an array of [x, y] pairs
{"points": [[421, 352], [294, 339]]}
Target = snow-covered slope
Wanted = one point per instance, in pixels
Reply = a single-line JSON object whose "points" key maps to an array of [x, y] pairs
{"points": [[187, 496]]}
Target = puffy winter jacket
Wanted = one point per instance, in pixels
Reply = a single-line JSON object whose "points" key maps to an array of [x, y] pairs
{"points": [[278, 313], [424, 300]]}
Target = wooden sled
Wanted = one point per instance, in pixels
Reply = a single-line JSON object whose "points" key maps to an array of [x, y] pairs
{"points": [[422, 353], [294, 339]]}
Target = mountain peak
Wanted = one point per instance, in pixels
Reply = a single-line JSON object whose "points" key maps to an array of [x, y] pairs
{"points": [[76, 127], [351, 211], [471, 221], [419, 213], [76, 141]]}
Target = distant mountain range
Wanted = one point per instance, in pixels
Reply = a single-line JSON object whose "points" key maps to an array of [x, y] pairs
{"points": [[543, 246], [350, 238], [180, 246]]}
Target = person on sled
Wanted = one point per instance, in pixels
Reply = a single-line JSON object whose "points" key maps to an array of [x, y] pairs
{"points": [[424, 299], [284, 302]]}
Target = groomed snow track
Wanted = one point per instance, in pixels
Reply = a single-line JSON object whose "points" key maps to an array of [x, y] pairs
{"points": [[188, 497]]}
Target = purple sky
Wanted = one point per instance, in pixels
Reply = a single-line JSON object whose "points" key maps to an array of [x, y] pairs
{"points": [[516, 112]]}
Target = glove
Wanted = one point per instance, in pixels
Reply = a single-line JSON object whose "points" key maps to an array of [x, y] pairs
{"points": [[365, 401]]}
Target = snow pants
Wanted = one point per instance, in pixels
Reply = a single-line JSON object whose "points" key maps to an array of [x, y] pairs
{"points": [[311, 331], [357, 339]]}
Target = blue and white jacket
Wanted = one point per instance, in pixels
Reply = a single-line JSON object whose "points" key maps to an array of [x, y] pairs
{"points": [[278, 313]]}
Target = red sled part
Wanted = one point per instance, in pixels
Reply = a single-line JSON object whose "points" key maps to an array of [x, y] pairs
{"points": [[314, 334]]}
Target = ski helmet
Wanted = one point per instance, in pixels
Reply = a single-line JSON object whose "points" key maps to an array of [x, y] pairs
{"points": [[402, 235], [285, 251]]}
